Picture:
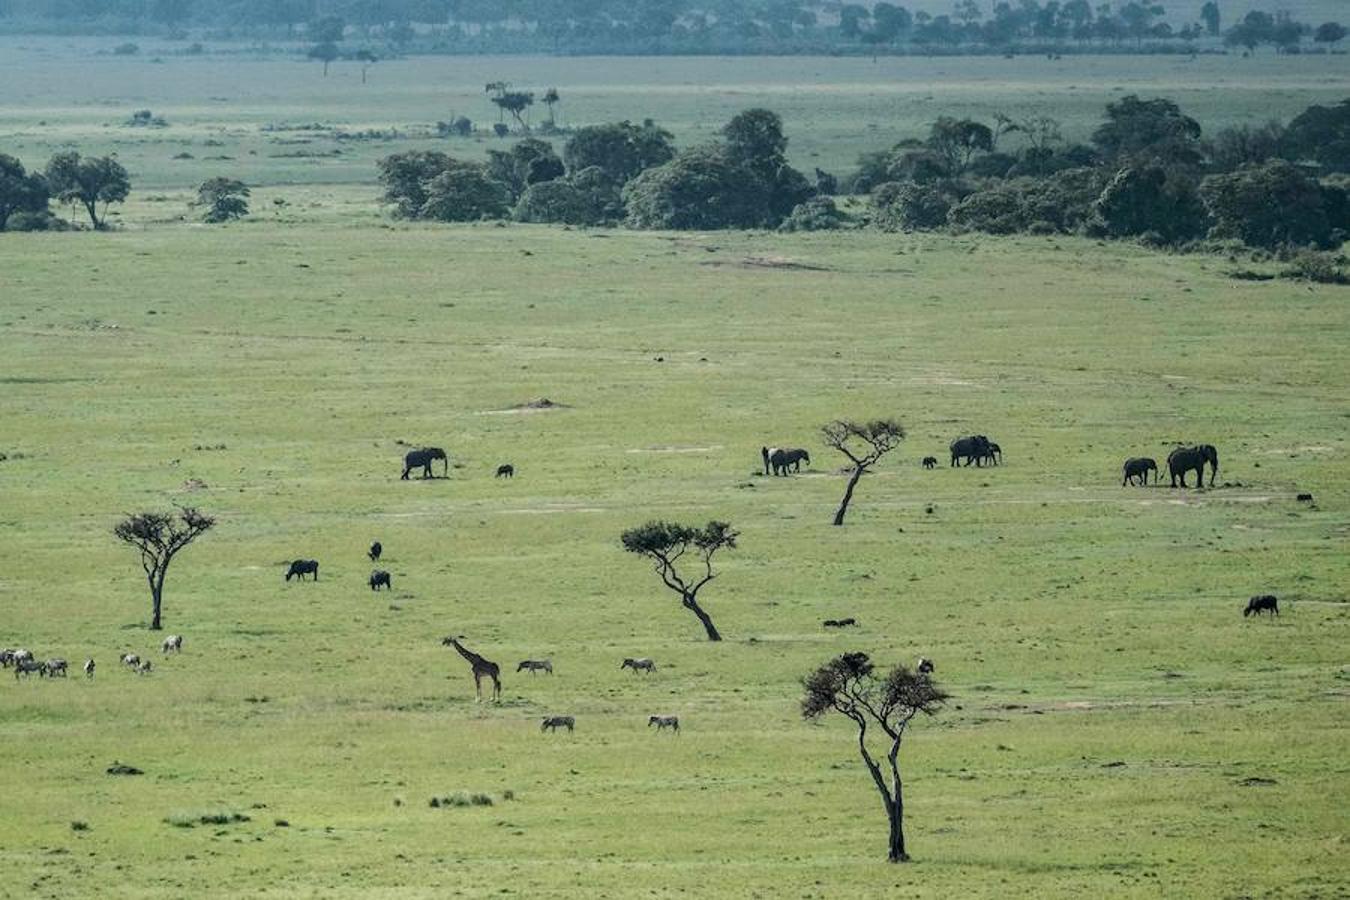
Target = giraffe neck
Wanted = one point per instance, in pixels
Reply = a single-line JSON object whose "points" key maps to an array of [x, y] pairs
{"points": [[472, 657]]}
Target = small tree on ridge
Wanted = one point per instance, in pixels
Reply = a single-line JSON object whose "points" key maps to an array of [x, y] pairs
{"points": [[159, 537], [664, 543]]}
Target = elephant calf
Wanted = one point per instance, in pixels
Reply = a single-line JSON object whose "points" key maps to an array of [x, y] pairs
{"points": [[1138, 468]]}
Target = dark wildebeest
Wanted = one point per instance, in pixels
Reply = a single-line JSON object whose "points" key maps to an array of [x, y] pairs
{"points": [[1138, 468], [506, 471], [423, 458], [925, 666], [1185, 459], [971, 449], [929, 462], [553, 723], [302, 567], [1260, 603], [375, 551], [380, 578], [535, 665], [839, 623], [26, 667], [781, 460]]}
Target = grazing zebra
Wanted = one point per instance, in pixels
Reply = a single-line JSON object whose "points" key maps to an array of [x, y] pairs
{"points": [[144, 668], [55, 666], [664, 722], [131, 659], [6, 658], [536, 665], [22, 655], [925, 666], [553, 723], [638, 665], [89, 668], [173, 644]]}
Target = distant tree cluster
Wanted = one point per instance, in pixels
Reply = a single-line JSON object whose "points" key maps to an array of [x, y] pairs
{"points": [[686, 26], [1148, 173], [88, 184], [617, 172]]}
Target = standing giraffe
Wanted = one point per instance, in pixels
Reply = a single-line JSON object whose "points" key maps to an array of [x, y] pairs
{"points": [[481, 667]]}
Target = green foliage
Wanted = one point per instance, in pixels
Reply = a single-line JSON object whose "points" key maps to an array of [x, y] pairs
{"points": [[701, 188], [528, 162], [956, 141], [906, 206], [20, 191], [1148, 132], [405, 177], [1320, 268], [619, 149], [1270, 205], [585, 198], [224, 198], [1320, 134], [88, 182], [1139, 200], [206, 817], [816, 214], [465, 193]]}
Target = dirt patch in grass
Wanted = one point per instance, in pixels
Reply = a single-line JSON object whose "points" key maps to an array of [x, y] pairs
{"points": [[767, 262]]}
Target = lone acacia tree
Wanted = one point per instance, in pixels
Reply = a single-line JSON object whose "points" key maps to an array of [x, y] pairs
{"points": [[159, 537], [849, 685], [664, 543], [864, 443]]}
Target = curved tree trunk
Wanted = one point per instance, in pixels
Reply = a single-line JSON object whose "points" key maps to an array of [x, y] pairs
{"points": [[848, 495], [896, 808], [692, 605]]}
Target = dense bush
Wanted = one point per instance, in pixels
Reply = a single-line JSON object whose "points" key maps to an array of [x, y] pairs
{"points": [[465, 193], [21, 193], [816, 214], [900, 206], [1147, 200], [1270, 205], [586, 198], [619, 149], [701, 188]]}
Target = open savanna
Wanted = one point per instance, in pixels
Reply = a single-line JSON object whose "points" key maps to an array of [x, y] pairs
{"points": [[222, 108], [1110, 704]]}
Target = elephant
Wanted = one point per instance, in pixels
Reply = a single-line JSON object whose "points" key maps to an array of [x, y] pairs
{"points": [[424, 458], [782, 459], [994, 454], [929, 462], [302, 567], [1184, 459], [1138, 467], [971, 449]]}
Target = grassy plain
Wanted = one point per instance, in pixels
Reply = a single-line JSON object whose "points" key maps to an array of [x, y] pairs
{"points": [[1078, 624]]}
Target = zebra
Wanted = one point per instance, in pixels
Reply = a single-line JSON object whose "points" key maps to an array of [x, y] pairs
{"points": [[536, 665], [638, 665], [553, 723], [664, 722]]}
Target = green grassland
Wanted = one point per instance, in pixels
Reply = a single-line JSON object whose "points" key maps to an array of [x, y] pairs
{"points": [[60, 94], [1077, 623]]}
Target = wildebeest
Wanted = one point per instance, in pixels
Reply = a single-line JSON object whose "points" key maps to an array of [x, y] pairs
{"points": [[1138, 468], [56, 666], [971, 449], [131, 659], [925, 666], [664, 722], [1186, 459], [172, 644], [1305, 498], [374, 552], [424, 458], [26, 667], [380, 577], [638, 665], [536, 665], [783, 460], [20, 655], [302, 567], [1260, 603], [6, 658], [839, 623], [89, 668], [553, 723], [505, 471], [145, 667], [929, 462]]}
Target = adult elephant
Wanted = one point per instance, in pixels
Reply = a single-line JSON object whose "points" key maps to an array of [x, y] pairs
{"points": [[972, 449], [1186, 459], [1139, 468], [781, 460], [424, 458]]}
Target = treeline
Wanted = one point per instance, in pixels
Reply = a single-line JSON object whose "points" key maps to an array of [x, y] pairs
{"points": [[1148, 173], [689, 26]]}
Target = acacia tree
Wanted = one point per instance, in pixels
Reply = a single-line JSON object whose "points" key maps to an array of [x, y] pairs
{"points": [[849, 685], [864, 443], [664, 543], [325, 52], [224, 199], [159, 537], [88, 182], [20, 190]]}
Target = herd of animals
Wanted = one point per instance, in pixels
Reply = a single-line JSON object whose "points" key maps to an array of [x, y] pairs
{"points": [[974, 449]]}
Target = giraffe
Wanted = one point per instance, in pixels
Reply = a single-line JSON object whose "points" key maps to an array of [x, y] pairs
{"points": [[481, 668]]}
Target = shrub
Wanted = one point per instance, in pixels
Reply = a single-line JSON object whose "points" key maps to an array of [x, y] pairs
{"points": [[208, 817], [79, 825], [465, 194], [587, 198], [816, 214], [701, 188], [909, 207], [619, 149], [996, 210], [1322, 268], [1269, 205]]}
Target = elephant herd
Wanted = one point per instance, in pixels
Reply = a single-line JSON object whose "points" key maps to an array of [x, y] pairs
{"points": [[1180, 462]]}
